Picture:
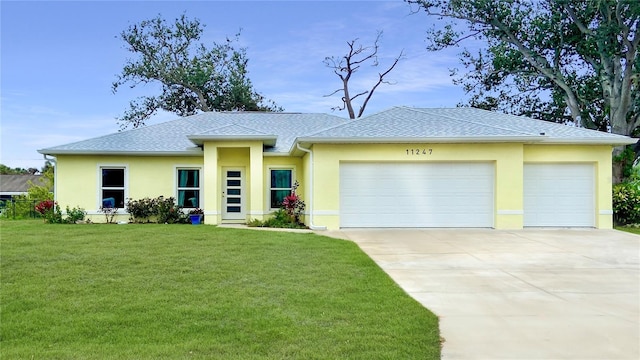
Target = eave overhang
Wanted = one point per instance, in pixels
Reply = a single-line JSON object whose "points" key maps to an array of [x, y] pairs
{"points": [[307, 141], [54, 152], [529, 139], [267, 140]]}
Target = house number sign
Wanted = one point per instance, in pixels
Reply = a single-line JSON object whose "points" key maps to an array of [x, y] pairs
{"points": [[417, 151]]}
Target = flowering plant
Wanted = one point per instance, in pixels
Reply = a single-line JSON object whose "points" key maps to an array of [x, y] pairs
{"points": [[50, 211], [44, 206], [293, 205]]}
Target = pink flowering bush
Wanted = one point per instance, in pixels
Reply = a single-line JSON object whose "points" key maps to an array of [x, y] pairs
{"points": [[293, 205]]}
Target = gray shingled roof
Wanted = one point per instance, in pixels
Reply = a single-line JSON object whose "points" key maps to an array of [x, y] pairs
{"points": [[458, 125], [233, 132], [281, 131], [172, 137], [15, 184]]}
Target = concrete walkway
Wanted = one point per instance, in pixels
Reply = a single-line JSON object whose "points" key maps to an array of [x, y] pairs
{"points": [[528, 294]]}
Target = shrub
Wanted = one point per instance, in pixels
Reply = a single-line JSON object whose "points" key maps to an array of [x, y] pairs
{"points": [[141, 210], [293, 205], [109, 213], [626, 203], [164, 210], [44, 206], [50, 211], [280, 219], [74, 215], [169, 212]]}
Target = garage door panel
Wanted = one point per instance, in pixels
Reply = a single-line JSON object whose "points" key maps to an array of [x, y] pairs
{"points": [[559, 195], [416, 195]]}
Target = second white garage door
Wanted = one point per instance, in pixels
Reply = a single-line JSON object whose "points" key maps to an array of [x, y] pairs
{"points": [[416, 194], [559, 195]]}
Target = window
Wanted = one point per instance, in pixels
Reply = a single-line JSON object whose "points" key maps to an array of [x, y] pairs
{"points": [[112, 187], [189, 188], [280, 186]]}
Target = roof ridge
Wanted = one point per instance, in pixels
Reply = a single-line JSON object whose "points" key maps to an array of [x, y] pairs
{"points": [[345, 122], [237, 125], [422, 110], [350, 121]]}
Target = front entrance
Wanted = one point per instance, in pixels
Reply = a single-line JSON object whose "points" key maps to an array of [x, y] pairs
{"points": [[233, 199]]}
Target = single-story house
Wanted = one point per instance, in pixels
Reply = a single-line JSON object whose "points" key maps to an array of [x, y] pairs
{"points": [[402, 167], [13, 185]]}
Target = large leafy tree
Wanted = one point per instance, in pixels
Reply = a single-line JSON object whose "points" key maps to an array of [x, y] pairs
{"points": [[557, 60], [194, 77]]}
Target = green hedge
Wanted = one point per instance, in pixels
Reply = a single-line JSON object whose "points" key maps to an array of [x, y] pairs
{"points": [[626, 203]]}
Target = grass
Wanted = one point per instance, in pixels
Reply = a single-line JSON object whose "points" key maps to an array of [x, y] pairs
{"points": [[199, 292], [633, 230]]}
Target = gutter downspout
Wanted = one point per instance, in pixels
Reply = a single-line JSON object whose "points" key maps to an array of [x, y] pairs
{"points": [[311, 225]]}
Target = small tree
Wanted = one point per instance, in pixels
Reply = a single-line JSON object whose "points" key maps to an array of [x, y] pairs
{"points": [[345, 66]]}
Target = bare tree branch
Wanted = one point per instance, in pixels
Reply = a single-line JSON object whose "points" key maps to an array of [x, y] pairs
{"points": [[380, 81], [344, 67]]}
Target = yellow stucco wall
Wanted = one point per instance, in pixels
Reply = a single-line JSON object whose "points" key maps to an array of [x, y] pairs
{"points": [[78, 177], [508, 159]]}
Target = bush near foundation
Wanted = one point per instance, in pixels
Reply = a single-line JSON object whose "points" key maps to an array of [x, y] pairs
{"points": [[626, 203], [161, 210]]}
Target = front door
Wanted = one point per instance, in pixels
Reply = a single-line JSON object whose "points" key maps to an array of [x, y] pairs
{"points": [[233, 207]]}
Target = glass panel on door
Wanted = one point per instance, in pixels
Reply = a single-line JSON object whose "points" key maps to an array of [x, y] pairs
{"points": [[232, 202]]}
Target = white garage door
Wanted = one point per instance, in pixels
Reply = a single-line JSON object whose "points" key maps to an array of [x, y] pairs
{"points": [[416, 194], [559, 195]]}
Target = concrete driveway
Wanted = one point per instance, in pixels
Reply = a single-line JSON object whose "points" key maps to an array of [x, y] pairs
{"points": [[526, 294]]}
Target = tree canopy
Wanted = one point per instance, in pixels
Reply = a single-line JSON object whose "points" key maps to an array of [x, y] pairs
{"points": [[557, 60], [194, 77], [6, 170]]}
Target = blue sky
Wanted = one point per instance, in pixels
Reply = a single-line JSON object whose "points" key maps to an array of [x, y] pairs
{"points": [[58, 60]]}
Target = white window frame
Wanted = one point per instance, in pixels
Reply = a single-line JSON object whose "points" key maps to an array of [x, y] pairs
{"points": [[125, 167], [176, 180], [269, 188]]}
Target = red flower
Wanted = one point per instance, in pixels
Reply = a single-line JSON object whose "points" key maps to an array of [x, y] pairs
{"points": [[290, 200], [44, 206]]}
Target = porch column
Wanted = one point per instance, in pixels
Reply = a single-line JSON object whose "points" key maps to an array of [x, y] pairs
{"points": [[210, 186], [257, 186]]}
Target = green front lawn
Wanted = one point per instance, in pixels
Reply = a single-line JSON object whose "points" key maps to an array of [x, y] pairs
{"points": [[633, 230], [183, 292]]}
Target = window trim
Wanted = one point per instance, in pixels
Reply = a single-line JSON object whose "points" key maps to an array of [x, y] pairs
{"points": [[176, 182], [100, 167], [268, 182]]}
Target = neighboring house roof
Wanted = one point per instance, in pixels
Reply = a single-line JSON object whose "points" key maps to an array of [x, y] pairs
{"points": [[18, 184], [280, 132]]}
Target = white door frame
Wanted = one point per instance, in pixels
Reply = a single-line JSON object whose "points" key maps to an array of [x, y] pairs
{"points": [[233, 194]]}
